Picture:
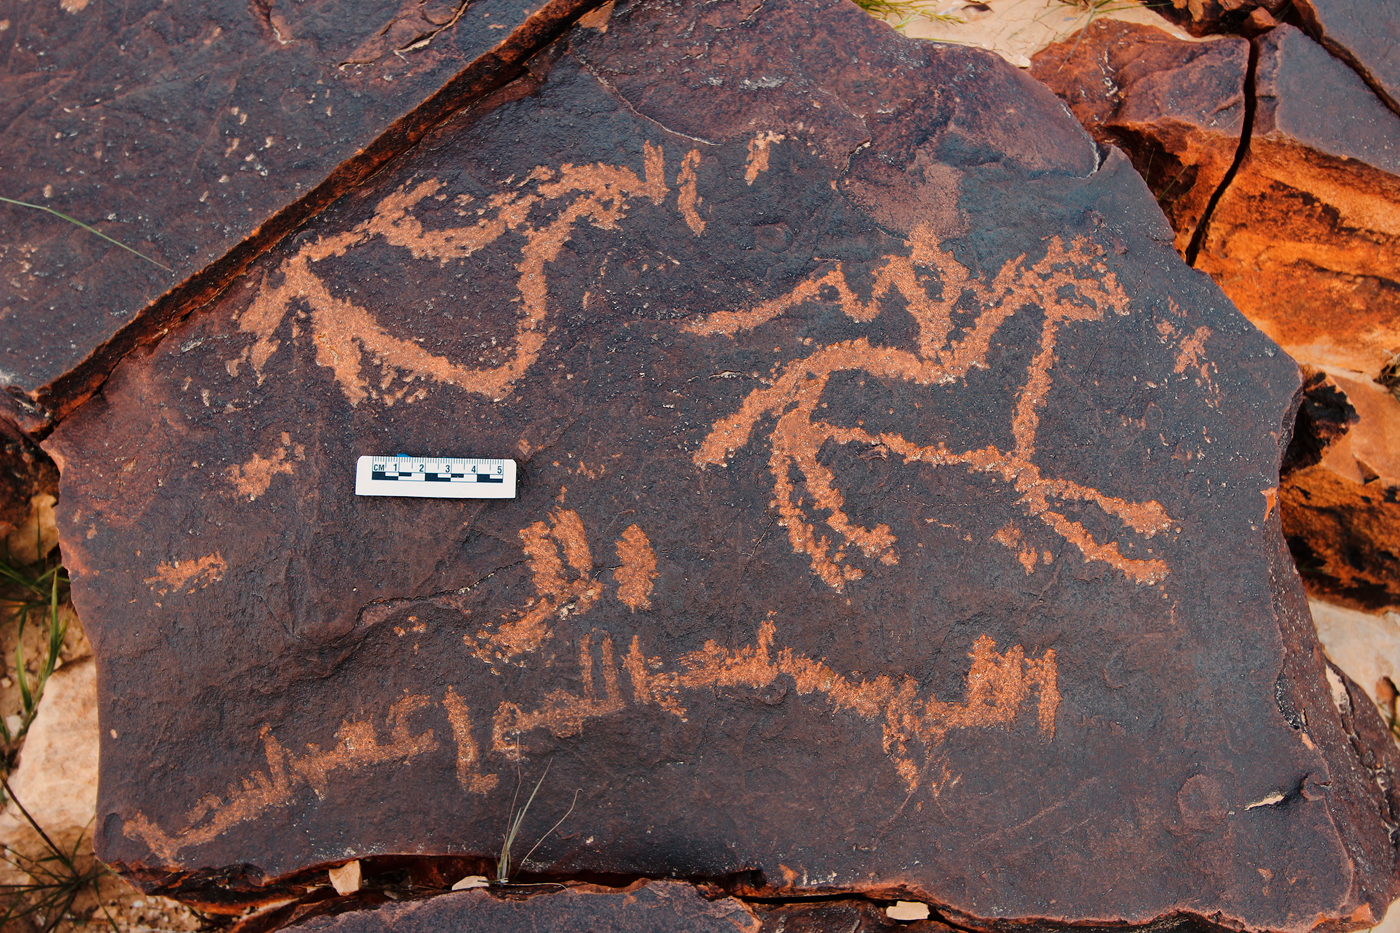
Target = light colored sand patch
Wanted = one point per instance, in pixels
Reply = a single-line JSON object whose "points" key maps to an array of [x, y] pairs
{"points": [[1017, 29], [1365, 646]]}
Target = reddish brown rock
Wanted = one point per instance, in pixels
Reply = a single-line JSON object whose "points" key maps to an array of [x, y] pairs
{"points": [[1177, 108], [1363, 33], [1217, 16], [196, 134], [897, 513], [1304, 238], [1342, 514], [1324, 418], [644, 907]]}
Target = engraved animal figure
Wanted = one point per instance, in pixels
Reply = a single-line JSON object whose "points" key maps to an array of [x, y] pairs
{"points": [[351, 343], [1069, 284]]}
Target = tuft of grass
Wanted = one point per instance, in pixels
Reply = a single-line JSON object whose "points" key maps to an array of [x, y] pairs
{"points": [[905, 11], [503, 864], [92, 230], [34, 594], [56, 879]]}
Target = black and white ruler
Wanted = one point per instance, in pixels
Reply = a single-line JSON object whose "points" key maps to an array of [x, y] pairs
{"points": [[435, 477]]}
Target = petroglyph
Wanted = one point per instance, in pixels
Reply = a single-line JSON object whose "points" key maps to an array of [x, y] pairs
{"points": [[357, 746], [636, 570], [469, 773], [188, 575], [563, 713], [562, 569], [999, 688], [758, 154], [251, 479], [1068, 285], [354, 345]]}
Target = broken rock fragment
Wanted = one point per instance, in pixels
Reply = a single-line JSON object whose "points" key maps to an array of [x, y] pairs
{"points": [[1341, 513], [897, 514], [1177, 108], [1365, 35], [1204, 17]]}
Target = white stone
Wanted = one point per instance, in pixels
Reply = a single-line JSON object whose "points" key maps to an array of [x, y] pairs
{"points": [[346, 878], [1366, 647], [907, 910]]}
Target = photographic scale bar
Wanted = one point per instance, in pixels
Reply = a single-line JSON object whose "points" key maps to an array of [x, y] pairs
{"points": [[435, 477]]}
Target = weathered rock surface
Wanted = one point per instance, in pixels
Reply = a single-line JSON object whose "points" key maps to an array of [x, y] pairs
{"points": [[1363, 33], [1302, 235], [898, 514], [182, 130], [1304, 238], [1177, 108], [644, 907]]}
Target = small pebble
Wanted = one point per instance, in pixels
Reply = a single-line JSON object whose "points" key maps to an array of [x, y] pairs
{"points": [[907, 910]]}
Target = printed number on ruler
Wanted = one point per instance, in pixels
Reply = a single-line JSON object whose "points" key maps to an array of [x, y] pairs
{"points": [[435, 477]]}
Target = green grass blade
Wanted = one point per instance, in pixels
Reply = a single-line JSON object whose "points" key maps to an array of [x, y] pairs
{"points": [[74, 220]]}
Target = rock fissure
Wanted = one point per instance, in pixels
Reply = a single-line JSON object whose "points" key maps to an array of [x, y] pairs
{"points": [[1251, 104]]}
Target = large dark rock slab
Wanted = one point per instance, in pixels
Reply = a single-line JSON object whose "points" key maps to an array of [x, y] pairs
{"points": [[184, 129], [1176, 108], [897, 515]]}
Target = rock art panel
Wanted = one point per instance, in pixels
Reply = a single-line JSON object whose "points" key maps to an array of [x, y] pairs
{"points": [[1176, 108], [896, 512], [181, 131]]}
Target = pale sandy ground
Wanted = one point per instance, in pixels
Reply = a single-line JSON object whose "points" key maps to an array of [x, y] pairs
{"points": [[1017, 29]]}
